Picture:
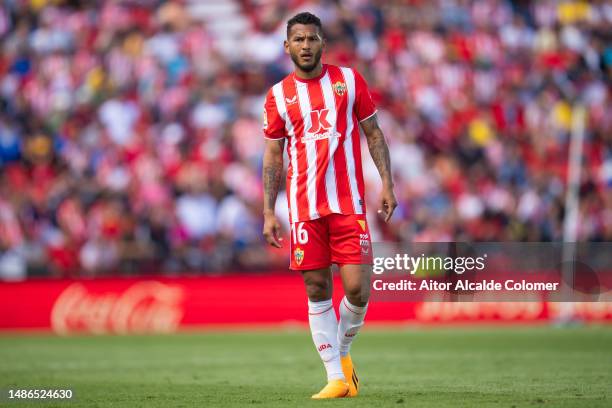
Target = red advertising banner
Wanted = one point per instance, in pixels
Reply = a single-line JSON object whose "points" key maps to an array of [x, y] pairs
{"points": [[161, 305]]}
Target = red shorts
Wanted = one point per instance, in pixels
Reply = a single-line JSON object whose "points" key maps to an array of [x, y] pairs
{"points": [[335, 238]]}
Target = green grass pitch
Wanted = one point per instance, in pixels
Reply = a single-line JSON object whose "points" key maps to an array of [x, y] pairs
{"points": [[429, 367]]}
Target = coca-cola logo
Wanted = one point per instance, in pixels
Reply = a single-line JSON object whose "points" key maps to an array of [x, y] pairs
{"points": [[144, 307]]}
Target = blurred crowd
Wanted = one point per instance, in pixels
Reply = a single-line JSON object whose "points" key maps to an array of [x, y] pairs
{"points": [[130, 131]]}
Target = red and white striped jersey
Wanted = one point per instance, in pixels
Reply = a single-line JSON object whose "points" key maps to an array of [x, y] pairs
{"points": [[320, 119]]}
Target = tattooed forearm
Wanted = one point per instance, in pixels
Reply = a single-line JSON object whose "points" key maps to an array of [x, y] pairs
{"points": [[272, 172], [378, 148], [271, 180]]}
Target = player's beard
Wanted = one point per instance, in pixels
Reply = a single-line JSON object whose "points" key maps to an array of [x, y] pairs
{"points": [[310, 67]]}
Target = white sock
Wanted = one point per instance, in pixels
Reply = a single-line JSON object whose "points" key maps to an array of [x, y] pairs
{"points": [[351, 320], [324, 329]]}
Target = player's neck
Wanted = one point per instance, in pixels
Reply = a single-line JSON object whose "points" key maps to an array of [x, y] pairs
{"points": [[309, 75]]}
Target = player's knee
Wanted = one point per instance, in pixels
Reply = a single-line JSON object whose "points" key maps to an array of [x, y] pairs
{"points": [[357, 294], [318, 289]]}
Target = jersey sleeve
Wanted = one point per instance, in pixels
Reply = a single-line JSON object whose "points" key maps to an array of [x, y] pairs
{"points": [[364, 106], [273, 123]]}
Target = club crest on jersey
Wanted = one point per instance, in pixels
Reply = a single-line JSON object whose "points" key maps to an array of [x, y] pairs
{"points": [[340, 88], [298, 254]]}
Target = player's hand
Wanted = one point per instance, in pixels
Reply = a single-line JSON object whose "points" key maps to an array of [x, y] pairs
{"points": [[388, 203], [271, 230]]}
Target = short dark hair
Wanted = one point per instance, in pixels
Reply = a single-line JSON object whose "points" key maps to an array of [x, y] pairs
{"points": [[304, 18]]}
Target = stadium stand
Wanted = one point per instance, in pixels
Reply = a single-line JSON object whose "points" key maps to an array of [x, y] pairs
{"points": [[130, 131]]}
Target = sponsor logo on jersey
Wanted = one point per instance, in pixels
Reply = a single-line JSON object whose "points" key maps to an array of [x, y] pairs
{"points": [[291, 101], [318, 120], [298, 254], [320, 136], [320, 127], [340, 88]]}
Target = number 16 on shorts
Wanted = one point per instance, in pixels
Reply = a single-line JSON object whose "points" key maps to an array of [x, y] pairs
{"points": [[302, 254], [299, 233], [335, 238], [309, 245]]}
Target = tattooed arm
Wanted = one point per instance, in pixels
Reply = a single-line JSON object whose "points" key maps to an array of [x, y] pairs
{"points": [[272, 175], [380, 154]]}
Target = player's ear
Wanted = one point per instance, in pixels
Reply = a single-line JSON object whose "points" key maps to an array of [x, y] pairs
{"points": [[286, 44]]}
